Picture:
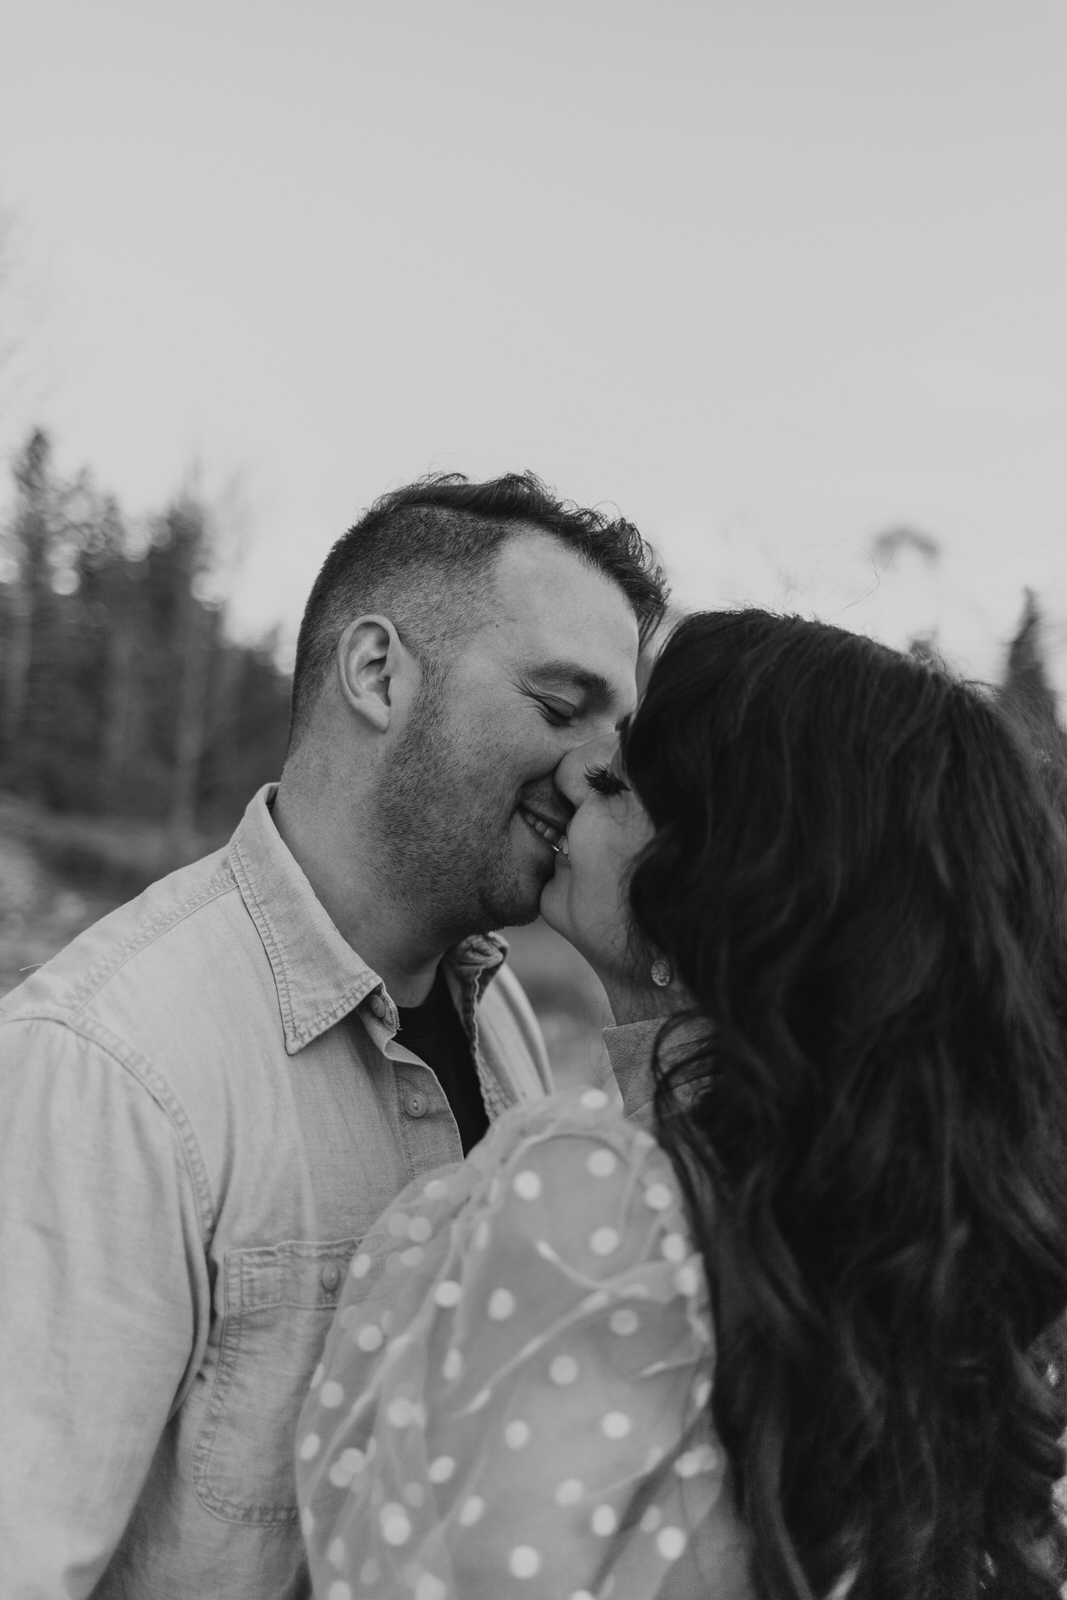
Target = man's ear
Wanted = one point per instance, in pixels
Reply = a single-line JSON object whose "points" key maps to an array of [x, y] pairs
{"points": [[369, 658]]}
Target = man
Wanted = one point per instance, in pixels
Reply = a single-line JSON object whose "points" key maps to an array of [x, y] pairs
{"points": [[208, 1098]]}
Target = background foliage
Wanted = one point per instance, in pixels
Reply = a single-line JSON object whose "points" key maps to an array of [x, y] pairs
{"points": [[120, 691]]}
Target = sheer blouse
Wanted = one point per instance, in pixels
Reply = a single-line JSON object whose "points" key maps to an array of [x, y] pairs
{"points": [[513, 1399]]}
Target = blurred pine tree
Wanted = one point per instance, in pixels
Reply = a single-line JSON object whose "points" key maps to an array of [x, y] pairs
{"points": [[120, 693]]}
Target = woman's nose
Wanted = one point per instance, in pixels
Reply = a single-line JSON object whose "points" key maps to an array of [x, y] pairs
{"points": [[570, 775]]}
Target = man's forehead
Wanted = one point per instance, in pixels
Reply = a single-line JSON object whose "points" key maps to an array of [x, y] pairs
{"points": [[547, 591]]}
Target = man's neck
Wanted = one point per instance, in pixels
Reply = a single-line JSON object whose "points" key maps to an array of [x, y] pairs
{"points": [[361, 907]]}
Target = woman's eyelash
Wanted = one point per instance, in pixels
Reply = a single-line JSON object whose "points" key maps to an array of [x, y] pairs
{"points": [[602, 780]]}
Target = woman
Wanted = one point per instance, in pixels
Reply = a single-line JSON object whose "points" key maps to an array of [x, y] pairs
{"points": [[801, 1343]]}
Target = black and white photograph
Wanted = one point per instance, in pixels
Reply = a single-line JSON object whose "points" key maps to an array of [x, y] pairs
{"points": [[533, 800]]}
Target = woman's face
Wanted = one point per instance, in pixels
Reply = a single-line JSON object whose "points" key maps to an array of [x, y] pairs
{"points": [[586, 898]]}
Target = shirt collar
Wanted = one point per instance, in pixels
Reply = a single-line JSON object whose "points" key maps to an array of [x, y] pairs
{"points": [[319, 978]]}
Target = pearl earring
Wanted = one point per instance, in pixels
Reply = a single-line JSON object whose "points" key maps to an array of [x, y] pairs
{"points": [[661, 973]]}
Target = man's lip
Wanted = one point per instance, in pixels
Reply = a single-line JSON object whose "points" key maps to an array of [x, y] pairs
{"points": [[553, 829]]}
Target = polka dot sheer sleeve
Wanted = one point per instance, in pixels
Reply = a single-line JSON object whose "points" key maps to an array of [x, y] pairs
{"points": [[513, 1399]]}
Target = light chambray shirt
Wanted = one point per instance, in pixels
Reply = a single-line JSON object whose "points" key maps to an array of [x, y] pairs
{"points": [[202, 1113]]}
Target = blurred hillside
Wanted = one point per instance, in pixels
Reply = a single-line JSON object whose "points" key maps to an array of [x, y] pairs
{"points": [[134, 729]]}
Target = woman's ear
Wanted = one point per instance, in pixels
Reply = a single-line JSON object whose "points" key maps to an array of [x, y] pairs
{"points": [[369, 658]]}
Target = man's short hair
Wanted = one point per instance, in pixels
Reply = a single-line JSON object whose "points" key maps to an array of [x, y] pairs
{"points": [[420, 555]]}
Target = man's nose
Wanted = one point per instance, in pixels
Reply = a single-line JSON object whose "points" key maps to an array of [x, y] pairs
{"points": [[570, 776]]}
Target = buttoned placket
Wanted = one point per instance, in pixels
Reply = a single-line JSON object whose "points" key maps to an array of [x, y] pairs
{"points": [[429, 1132]]}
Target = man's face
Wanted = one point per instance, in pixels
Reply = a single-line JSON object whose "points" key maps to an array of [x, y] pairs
{"points": [[468, 806]]}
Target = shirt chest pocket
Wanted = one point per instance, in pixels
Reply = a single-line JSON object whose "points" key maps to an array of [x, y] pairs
{"points": [[278, 1303]]}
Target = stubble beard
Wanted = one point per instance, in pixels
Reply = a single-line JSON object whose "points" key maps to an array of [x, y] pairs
{"points": [[445, 830]]}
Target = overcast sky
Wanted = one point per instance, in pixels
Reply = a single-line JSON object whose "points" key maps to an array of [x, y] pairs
{"points": [[773, 277]]}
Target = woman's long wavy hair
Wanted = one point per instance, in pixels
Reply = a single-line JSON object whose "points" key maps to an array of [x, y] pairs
{"points": [[856, 876]]}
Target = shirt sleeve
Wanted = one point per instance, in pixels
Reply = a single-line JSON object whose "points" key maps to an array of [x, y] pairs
{"points": [[519, 1403], [101, 1266]]}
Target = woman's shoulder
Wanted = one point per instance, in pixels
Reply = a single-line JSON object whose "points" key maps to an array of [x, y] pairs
{"points": [[583, 1186], [577, 1138]]}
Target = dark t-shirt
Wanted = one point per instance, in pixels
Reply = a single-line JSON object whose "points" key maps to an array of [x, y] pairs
{"points": [[434, 1032]]}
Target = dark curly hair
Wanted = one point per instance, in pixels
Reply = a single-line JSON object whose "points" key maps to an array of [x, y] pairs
{"points": [[858, 879]]}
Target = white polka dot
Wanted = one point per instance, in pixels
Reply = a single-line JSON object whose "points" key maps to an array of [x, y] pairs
{"points": [[624, 1322], [310, 1447], [347, 1466], [596, 1301], [651, 1519], [581, 1594], [360, 1266], [603, 1241], [316, 1377], [643, 1140], [516, 1434], [569, 1492], [659, 1197], [687, 1279], [480, 1399], [702, 1392], [453, 1365], [412, 1255], [471, 1510], [370, 1337], [601, 1164], [435, 1189], [441, 1469], [415, 1495], [563, 1370], [673, 1247], [594, 1100], [501, 1304], [370, 1571], [481, 1235], [603, 1521], [336, 1553], [307, 1523], [448, 1293], [690, 1462], [524, 1561], [396, 1525], [527, 1185], [398, 1224], [545, 1250], [616, 1425], [430, 1587], [400, 1412], [670, 1543], [332, 1395], [339, 1590], [419, 1229]]}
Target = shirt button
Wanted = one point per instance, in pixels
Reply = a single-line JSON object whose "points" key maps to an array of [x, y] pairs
{"points": [[331, 1276], [417, 1105], [377, 1005]]}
